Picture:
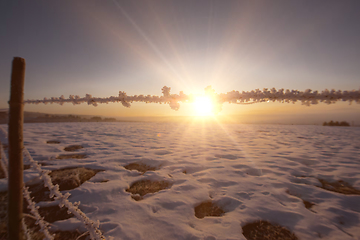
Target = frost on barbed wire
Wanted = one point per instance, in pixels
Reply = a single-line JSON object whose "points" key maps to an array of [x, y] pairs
{"points": [[44, 226], [26, 230], [91, 226], [306, 97]]}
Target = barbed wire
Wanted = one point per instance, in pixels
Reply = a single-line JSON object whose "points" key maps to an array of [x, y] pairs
{"points": [[26, 230], [44, 226], [307, 97], [91, 226]]}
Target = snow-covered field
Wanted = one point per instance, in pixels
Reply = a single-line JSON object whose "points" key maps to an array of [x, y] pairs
{"points": [[253, 172]]}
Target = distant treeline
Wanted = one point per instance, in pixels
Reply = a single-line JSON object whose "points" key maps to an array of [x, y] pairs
{"points": [[34, 117], [75, 117], [332, 123], [105, 119]]}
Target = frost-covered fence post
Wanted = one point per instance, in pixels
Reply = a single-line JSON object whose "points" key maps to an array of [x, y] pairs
{"points": [[15, 136]]}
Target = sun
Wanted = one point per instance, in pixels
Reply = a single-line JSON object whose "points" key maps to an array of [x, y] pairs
{"points": [[203, 106]]}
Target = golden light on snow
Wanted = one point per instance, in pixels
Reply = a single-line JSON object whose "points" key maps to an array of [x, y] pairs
{"points": [[203, 106]]}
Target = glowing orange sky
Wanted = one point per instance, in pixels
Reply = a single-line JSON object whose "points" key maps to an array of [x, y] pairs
{"points": [[101, 47]]}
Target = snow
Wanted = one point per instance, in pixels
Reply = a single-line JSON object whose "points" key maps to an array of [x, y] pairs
{"points": [[252, 171]]}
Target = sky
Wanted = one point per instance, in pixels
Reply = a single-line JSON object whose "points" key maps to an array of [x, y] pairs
{"points": [[103, 47]]}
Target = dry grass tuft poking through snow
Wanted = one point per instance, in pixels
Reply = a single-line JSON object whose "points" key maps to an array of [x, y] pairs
{"points": [[141, 167], [71, 178], [73, 148], [144, 187], [53, 142], [339, 187], [208, 209], [72, 156], [264, 230]]}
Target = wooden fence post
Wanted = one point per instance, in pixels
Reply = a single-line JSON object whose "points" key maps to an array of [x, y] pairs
{"points": [[15, 136]]}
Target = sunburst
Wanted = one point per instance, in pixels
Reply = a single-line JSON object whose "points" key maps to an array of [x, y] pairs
{"points": [[203, 106]]}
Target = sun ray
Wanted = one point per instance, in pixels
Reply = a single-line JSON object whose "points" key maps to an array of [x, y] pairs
{"points": [[150, 42]]}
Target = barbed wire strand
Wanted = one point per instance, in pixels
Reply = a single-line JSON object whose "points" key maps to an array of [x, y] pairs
{"points": [[31, 205], [91, 226], [307, 97]]}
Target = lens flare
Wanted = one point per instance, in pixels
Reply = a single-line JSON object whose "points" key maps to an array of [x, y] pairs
{"points": [[203, 106]]}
